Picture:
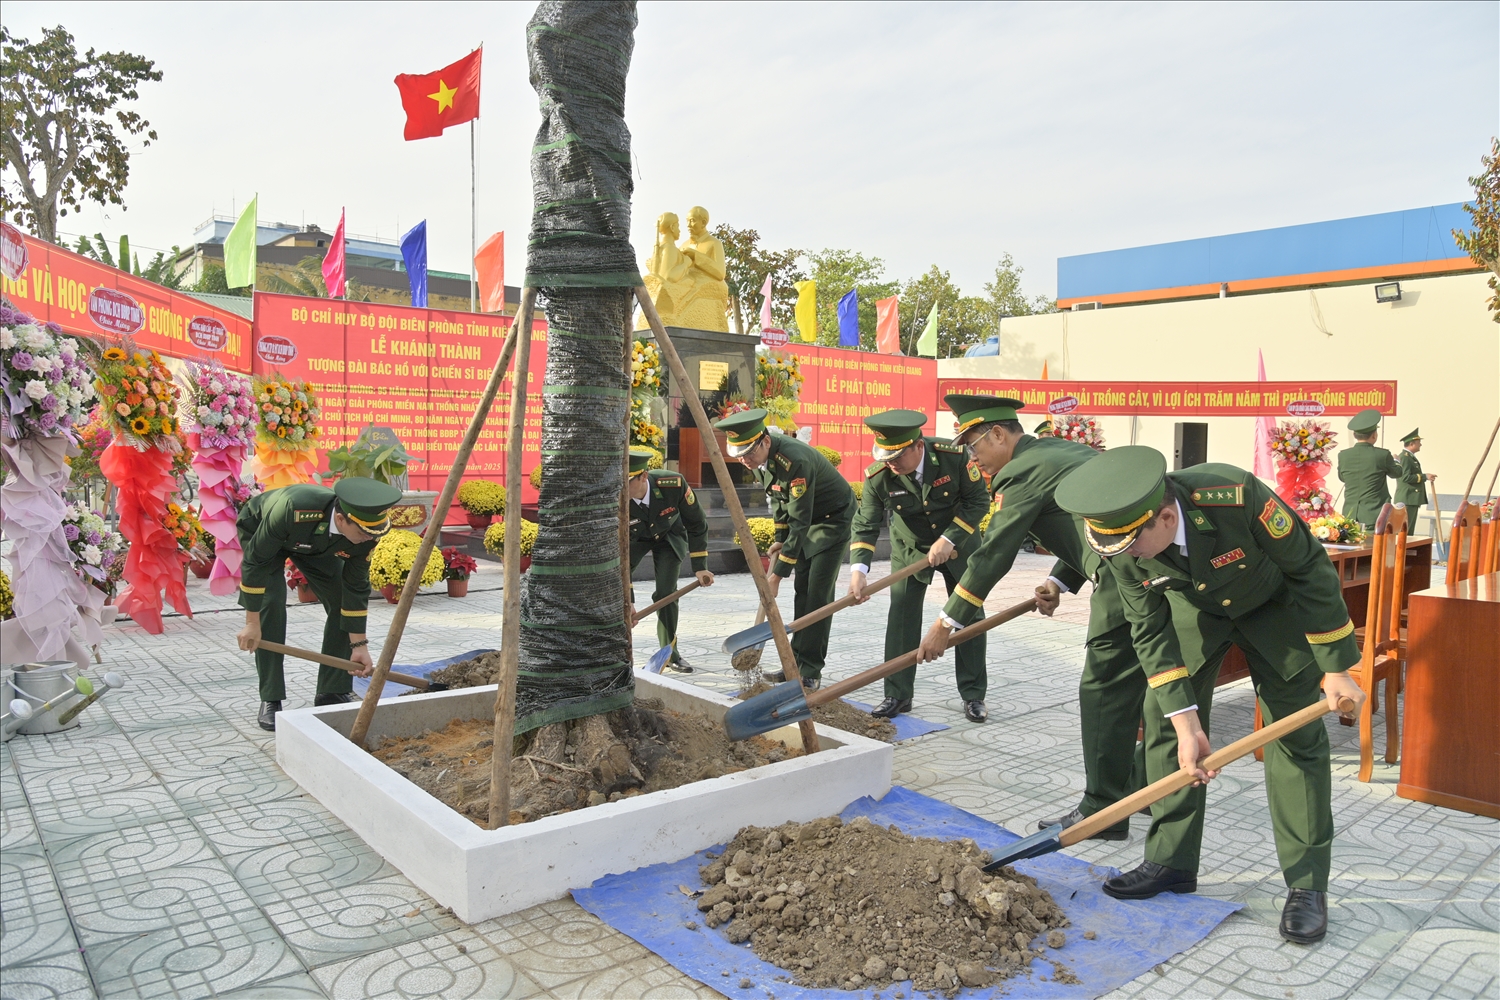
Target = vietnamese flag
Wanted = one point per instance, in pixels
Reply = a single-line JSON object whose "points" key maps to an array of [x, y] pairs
{"points": [[433, 101]]}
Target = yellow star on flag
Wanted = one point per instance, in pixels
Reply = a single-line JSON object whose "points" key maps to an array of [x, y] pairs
{"points": [[444, 96]]}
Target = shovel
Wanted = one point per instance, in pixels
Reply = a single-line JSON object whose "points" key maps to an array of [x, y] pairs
{"points": [[760, 633], [112, 682], [674, 595], [787, 703], [1055, 837], [748, 658], [421, 684]]}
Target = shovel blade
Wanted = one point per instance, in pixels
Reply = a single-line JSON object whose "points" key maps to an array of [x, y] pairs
{"points": [[1039, 843], [755, 635], [658, 660], [783, 705]]}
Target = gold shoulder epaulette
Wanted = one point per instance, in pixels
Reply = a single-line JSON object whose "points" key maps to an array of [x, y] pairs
{"points": [[670, 482], [948, 446], [875, 469]]}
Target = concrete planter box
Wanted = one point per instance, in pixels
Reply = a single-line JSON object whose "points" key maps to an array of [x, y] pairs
{"points": [[486, 873]]}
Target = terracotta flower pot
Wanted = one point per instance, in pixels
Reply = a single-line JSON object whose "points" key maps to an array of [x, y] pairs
{"points": [[458, 588], [201, 568], [765, 563], [391, 592], [479, 521], [525, 563], [305, 594]]}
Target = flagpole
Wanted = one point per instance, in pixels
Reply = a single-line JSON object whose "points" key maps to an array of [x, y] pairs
{"points": [[473, 221]]}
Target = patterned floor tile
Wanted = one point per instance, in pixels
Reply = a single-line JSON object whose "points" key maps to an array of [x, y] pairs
{"points": [[128, 853], [334, 924], [556, 942], [301, 986], [34, 922], [141, 805], [285, 872], [281, 821], [191, 957], [647, 976], [455, 965], [61, 976]]}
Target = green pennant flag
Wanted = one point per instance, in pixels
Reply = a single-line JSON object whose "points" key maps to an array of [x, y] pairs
{"points": [[239, 249], [927, 343]]}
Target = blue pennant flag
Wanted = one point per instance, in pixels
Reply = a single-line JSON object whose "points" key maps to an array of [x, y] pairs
{"points": [[414, 250], [849, 319]]}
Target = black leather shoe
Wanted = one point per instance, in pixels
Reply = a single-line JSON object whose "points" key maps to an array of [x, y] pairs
{"points": [[891, 707], [332, 699], [1150, 879], [1304, 919], [773, 676], [1075, 816], [681, 666], [975, 711], [267, 717], [811, 683]]}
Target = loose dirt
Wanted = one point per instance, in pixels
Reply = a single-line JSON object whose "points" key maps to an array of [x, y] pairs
{"points": [[859, 906], [573, 765], [477, 672], [841, 715]]}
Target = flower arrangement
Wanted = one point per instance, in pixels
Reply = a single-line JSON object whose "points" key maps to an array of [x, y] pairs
{"points": [[780, 411], [394, 556], [494, 538], [295, 578], [239, 492], [184, 525], [141, 399], [287, 412], [480, 496], [777, 374], [1336, 529], [457, 565], [834, 458], [762, 533], [221, 404], [7, 596], [1304, 443], [535, 478], [644, 431], [43, 378], [734, 403], [645, 368], [1084, 430], [98, 552], [93, 437], [1311, 502]]}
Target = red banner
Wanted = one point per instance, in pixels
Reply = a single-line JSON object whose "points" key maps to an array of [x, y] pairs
{"points": [[1186, 399], [420, 372], [841, 387], [90, 299]]}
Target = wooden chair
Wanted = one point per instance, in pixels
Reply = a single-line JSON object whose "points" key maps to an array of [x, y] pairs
{"points": [[1470, 545]]}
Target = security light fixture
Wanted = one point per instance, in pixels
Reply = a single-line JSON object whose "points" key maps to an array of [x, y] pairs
{"points": [[1388, 292]]}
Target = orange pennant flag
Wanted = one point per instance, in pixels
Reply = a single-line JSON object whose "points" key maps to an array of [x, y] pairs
{"points": [[489, 265], [1044, 368], [888, 326]]}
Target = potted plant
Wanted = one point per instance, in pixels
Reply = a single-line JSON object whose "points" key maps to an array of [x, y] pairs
{"points": [[494, 541], [379, 455], [393, 558], [295, 580], [481, 501], [457, 568], [203, 564], [763, 534]]}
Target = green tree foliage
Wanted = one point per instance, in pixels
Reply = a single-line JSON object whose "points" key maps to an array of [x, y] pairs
{"points": [[837, 272], [746, 265], [214, 280], [62, 134], [162, 269], [1006, 297], [964, 320], [306, 279], [1482, 243]]}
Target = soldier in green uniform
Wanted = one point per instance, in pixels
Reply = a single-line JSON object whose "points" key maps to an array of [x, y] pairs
{"points": [[1024, 472], [1411, 485], [1206, 557], [813, 508], [667, 521], [1363, 469], [328, 535], [937, 501]]}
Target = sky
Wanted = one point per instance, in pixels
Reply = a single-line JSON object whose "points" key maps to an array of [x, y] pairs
{"points": [[921, 134]]}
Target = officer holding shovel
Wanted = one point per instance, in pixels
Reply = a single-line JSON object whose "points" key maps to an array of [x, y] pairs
{"points": [[936, 500], [667, 521], [1203, 558], [328, 535]]}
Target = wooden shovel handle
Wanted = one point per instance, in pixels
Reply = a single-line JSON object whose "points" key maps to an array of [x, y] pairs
{"points": [[824, 695], [870, 588], [653, 608], [334, 661], [1155, 792]]}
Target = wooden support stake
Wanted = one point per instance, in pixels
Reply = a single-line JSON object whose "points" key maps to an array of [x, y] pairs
{"points": [[732, 501], [627, 596], [433, 534], [1480, 464], [510, 621]]}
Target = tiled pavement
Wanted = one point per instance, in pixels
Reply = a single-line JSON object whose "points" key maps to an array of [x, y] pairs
{"points": [[159, 851]]}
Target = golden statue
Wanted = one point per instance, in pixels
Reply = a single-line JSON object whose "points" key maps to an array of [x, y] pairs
{"points": [[687, 283]]}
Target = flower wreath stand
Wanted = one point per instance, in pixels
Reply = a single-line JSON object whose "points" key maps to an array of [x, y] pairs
{"points": [[225, 414]]}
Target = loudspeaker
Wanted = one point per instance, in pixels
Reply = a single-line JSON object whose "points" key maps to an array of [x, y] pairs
{"points": [[1189, 445]]}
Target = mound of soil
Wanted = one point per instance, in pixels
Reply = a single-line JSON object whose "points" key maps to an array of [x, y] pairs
{"points": [[841, 715], [573, 765], [860, 906], [477, 672]]}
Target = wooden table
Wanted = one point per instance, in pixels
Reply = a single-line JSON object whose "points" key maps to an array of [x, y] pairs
{"points": [[1450, 738]]}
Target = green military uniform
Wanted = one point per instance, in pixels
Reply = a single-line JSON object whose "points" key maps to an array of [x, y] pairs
{"points": [[1411, 484], [1112, 688], [296, 522], [813, 508], [1253, 576], [1363, 469], [669, 524], [943, 497]]}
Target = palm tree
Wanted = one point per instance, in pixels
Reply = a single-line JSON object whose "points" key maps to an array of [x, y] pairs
{"points": [[307, 279]]}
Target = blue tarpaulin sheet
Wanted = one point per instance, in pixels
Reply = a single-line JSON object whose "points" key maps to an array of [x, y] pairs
{"points": [[908, 727], [1133, 936], [392, 689]]}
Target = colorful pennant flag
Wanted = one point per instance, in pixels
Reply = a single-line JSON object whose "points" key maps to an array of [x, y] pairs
{"points": [[334, 264], [927, 343], [239, 249], [807, 310], [888, 325], [766, 320], [489, 265], [1044, 370], [414, 252], [849, 319], [434, 101]]}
